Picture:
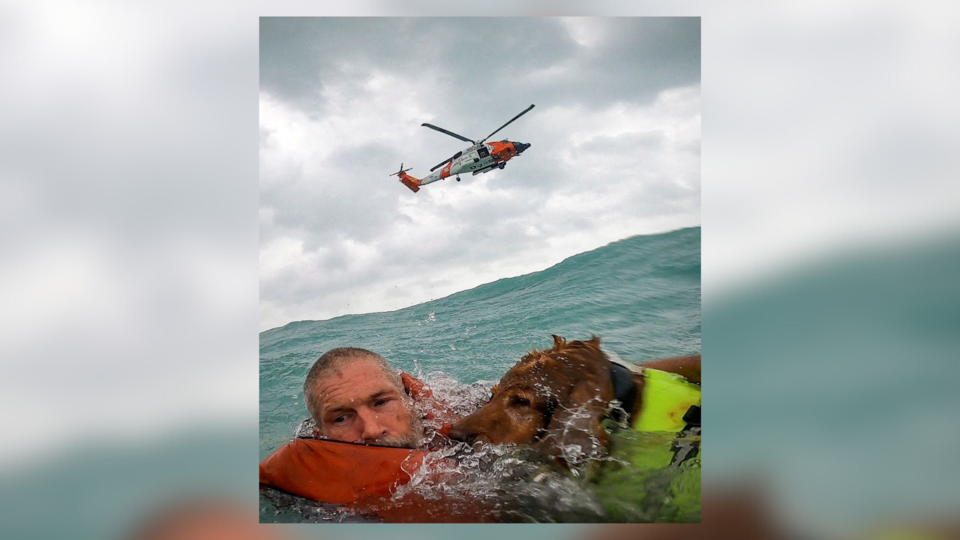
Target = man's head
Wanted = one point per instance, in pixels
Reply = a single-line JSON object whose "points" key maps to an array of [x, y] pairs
{"points": [[353, 395]]}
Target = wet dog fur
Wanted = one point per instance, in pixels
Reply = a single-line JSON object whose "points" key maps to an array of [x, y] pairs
{"points": [[554, 399]]}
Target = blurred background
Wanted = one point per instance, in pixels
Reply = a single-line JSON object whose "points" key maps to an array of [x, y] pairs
{"points": [[128, 274]]}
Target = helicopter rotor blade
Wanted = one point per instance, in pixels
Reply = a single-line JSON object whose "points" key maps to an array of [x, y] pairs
{"points": [[450, 133], [525, 111], [444, 162]]}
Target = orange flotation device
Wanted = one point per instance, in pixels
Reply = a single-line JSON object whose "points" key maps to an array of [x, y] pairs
{"points": [[347, 473]]}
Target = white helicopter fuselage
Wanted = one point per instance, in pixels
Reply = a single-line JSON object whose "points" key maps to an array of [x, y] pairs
{"points": [[467, 161], [477, 159]]}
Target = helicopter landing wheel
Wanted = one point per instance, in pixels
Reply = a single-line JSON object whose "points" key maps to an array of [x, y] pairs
{"points": [[458, 179], [502, 165]]}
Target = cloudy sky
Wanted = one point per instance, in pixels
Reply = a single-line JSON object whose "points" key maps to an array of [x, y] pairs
{"points": [[615, 135]]}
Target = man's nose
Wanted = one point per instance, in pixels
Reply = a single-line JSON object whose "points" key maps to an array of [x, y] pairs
{"points": [[372, 430]]}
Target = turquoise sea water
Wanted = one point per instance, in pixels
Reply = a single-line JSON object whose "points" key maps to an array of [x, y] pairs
{"points": [[641, 295]]}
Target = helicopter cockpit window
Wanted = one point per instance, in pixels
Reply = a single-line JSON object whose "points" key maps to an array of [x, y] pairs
{"points": [[483, 152]]}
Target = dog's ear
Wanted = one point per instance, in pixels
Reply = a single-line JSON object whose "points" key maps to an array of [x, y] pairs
{"points": [[574, 431], [558, 341]]}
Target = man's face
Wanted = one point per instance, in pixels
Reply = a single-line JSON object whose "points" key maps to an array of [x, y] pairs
{"points": [[359, 403]]}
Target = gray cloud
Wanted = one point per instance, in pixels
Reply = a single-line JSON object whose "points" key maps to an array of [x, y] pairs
{"points": [[615, 134], [632, 57]]}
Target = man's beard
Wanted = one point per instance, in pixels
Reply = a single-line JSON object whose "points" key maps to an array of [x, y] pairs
{"points": [[408, 441]]}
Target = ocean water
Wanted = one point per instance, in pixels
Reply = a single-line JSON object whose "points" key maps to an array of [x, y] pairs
{"points": [[641, 295]]}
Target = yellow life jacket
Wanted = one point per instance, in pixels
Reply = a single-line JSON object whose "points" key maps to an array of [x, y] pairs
{"points": [[667, 397], [660, 455]]}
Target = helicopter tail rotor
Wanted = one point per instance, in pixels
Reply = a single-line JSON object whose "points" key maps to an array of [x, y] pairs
{"points": [[407, 180], [401, 171]]}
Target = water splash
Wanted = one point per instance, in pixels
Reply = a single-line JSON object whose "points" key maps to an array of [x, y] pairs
{"points": [[496, 483]]}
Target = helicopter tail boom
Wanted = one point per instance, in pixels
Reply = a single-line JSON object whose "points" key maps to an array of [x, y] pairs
{"points": [[410, 182]]}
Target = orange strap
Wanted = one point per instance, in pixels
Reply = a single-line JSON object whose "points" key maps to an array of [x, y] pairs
{"points": [[417, 389], [436, 409]]}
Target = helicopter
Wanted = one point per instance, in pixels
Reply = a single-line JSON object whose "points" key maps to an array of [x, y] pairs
{"points": [[481, 157]]}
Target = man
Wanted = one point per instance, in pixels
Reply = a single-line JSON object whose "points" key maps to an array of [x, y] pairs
{"points": [[353, 395], [369, 435]]}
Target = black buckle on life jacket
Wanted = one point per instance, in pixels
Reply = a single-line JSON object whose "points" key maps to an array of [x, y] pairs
{"points": [[624, 389], [692, 416]]}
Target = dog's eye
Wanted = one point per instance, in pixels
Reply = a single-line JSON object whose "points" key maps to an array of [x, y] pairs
{"points": [[519, 401]]}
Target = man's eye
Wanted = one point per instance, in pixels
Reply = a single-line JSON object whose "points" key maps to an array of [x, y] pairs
{"points": [[380, 402], [340, 419]]}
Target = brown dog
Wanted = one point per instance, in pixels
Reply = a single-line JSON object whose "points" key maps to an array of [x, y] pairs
{"points": [[555, 399]]}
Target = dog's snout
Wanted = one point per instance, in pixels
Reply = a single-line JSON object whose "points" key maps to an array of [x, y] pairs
{"points": [[459, 433]]}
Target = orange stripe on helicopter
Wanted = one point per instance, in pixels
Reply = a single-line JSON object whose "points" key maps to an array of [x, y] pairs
{"points": [[446, 170]]}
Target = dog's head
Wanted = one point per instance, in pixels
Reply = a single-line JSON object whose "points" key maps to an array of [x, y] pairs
{"points": [[553, 399]]}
